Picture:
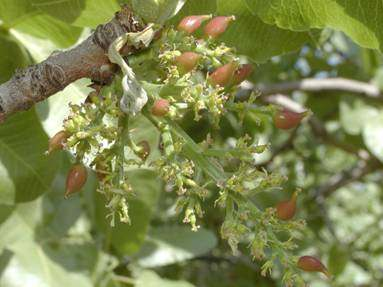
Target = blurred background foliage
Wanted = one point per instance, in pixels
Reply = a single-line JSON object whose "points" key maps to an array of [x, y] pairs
{"points": [[335, 157]]}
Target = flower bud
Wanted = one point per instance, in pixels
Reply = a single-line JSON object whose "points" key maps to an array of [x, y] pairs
{"points": [[286, 209], [312, 264], [76, 179], [223, 75], [242, 73], [160, 108], [101, 171], [92, 98], [187, 61], [144, 149], [286, 119], [58, 141], [218, 26], [190, 24]]}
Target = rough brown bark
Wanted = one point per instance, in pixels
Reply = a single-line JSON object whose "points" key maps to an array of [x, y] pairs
{"points": [[38, 82]]}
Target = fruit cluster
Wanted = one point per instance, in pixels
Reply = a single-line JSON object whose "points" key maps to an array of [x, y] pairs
{"points": [[183, 74]]}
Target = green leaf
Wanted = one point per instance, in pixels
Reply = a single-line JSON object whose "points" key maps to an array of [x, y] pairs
{"points": [[53, 111], [5, 212], [338, 259], [358, 19], [127, 239], [66, 216], [149, 278], [22, 147], [38, 236], [196, 7], [13, 56], [252, 37], [33, 266], [22, 224], [12, 11], [171, 244], [354, 115], [373, 136], [79, 12], [97, 12], [157, 11], [47, 27]]}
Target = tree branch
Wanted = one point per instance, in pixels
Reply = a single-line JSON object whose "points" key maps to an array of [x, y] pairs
{"points": [[320, 131], [317, 127], [344, 178], [318, 85], [38, 82], [285, 102]]}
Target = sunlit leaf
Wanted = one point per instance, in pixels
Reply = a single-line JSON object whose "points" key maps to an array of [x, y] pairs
{"points": [[23, 143], [373, 136], [172, 244], [149, 278], [358, 19]]}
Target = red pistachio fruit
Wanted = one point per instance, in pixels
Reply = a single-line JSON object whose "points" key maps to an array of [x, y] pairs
{"points": [[242, 73], [286, 209], [160, 108], [58, 141], [190, 24], [218, 26], [223, 75], [188, 61], [76, 179], [286, 119], [312, 264]]}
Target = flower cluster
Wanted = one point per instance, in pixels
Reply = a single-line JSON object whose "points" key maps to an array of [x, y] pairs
{"points": [[181, 74]]}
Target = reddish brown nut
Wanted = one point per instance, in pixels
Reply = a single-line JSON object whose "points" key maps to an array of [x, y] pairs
{"points": [[58, 141], [287, 209], [76, 179], [312, 264], [217, 26], [188, 61], [190, 24], [286, 119], [242, 73], [223, 75], [160, 108]]}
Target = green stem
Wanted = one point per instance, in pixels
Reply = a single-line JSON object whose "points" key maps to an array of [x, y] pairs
{"points": [[124, 140], [220, 152], [194, 152]]}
